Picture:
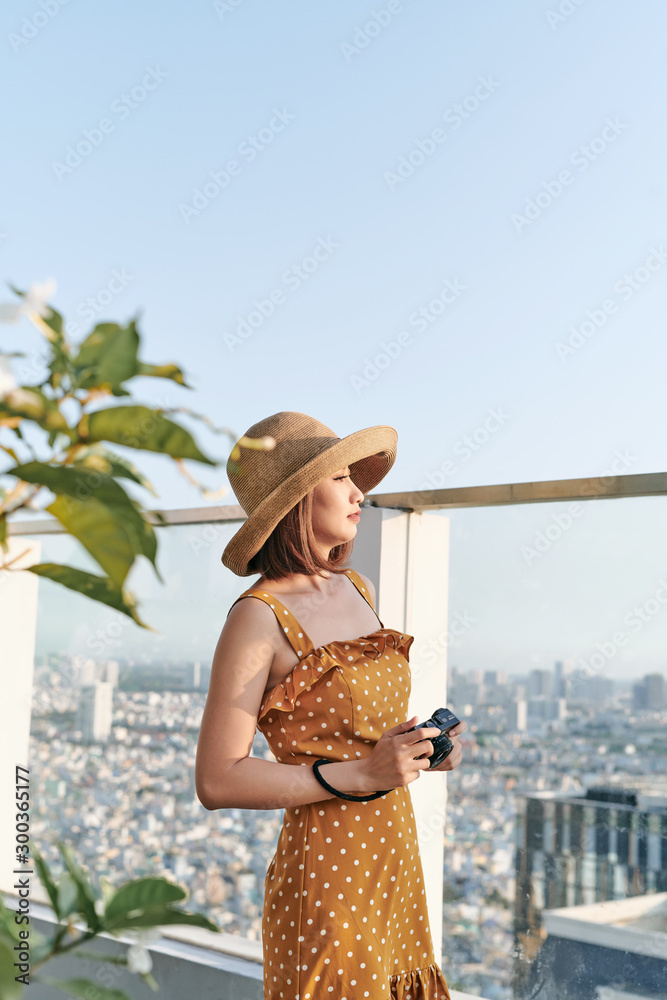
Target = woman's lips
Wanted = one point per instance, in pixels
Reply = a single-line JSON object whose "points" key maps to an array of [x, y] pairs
{"points": [[355, 517]]}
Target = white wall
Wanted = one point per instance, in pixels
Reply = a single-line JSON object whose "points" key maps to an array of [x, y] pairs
{"points": [[18, 617], [407, 557]]}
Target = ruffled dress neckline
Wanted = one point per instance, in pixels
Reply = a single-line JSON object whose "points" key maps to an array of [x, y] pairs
{"points": [[315, 661]]}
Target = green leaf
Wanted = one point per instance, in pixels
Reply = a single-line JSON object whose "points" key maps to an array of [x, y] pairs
{"points": [[84, 988], [142, 893], [101, 530], [47, 880], [59, 365], [84, 890], [4, 544], [97, 588], [99, 512], [9, 988], [55, 321], [160, 916], [172, 372], [67, 895], [96, 456], [32, 404], [107, 357], [143, 428]]}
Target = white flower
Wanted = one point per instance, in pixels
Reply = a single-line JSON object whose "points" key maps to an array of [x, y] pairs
{"points": [[7, 380], [32, 303], [138, 957]]}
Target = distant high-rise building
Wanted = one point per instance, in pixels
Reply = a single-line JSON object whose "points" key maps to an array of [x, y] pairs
{"points": [[539, 684], [649, 693], [495, 678], [571, 850], [95, 712], [561, 680], [655, 690], [465, 691], [87, 673], [517, 715], [599, 690], [193, 676], [110, 672], [614, 950], [555, 709]]}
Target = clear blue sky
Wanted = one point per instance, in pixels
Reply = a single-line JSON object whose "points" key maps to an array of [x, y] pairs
{"points": [[319, 105]]}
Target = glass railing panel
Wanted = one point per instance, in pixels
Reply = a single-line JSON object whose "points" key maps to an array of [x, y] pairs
{"points": [[115, 719], [559, 670]]}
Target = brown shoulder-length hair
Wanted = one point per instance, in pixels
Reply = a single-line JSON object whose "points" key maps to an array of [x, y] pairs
{"points": [[290, 548]]}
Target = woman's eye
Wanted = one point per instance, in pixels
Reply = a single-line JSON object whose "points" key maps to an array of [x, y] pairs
{"points": [[342, 477]]}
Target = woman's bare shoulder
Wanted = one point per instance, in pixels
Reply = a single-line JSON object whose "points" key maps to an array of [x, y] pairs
{"points": [[252, 615]]}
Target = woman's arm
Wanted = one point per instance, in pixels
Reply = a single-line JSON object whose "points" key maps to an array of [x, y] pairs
{"points": [[225, 775]]}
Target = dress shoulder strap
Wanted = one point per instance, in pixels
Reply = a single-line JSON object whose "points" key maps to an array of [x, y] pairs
{"points": [[363, 589], [298, 639]]}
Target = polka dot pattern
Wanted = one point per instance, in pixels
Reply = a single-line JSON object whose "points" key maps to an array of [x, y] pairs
{"points": [[345, 911]]}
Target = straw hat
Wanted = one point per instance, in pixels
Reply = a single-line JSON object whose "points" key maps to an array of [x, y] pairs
{"points": [[269, 481]]}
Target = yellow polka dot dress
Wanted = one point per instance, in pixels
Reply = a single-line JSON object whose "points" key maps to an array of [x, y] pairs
{"points": [[345, 912]]}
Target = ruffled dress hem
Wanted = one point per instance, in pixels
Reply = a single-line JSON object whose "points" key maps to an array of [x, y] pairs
{"points": [[419, 984]]}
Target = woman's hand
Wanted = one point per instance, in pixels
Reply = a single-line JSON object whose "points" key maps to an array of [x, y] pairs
{"points": [[454, 758], [399, 756]]}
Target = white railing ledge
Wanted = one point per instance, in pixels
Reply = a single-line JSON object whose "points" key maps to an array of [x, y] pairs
{"points": [[229, 944], [222, 952]]}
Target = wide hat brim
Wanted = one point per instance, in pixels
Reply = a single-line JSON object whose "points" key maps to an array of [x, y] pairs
{"points": [[369, 454]]}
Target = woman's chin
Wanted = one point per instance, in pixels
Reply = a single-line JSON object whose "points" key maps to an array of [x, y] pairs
{"points": [[351, 532]]}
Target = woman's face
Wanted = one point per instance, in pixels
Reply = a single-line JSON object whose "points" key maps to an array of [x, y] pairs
{"points": [[336, 502]]}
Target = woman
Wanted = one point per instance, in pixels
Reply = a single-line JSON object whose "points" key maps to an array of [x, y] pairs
{"points": [[345, 912]]}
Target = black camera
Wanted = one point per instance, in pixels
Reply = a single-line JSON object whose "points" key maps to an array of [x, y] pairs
{"points": [[444, 720]]}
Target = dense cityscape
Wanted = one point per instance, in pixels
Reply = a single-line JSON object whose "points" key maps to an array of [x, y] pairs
{"points": [[113, 750]]}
